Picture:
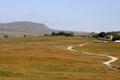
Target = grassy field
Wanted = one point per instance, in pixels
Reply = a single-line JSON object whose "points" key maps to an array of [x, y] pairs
{"points": [[47, 58], [112, 49]]}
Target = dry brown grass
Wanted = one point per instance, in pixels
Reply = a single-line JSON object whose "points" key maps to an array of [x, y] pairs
{"points": [[46, 58]]}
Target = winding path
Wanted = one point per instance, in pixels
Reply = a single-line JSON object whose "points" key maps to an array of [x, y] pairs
{"points": [[106, 63]]}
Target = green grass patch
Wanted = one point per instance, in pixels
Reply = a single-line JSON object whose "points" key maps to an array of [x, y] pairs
{"points": [[10, 74]]}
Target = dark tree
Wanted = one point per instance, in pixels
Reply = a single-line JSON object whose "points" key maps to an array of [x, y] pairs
{"points": [[53, 33], [116, 37], [102, 34], [6, 36]]}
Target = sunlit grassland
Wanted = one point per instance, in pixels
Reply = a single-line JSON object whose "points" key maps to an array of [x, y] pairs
{"points": [[112, 49], [47, 58]]}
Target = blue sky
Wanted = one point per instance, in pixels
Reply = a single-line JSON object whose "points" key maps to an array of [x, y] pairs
{"points": [[77, 15]]}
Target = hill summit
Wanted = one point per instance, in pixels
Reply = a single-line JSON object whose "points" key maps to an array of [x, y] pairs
{"points": [[24, 28]]}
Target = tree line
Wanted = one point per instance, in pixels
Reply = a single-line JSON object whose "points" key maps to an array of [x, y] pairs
{"points": [[106, 35], [61, 33]]}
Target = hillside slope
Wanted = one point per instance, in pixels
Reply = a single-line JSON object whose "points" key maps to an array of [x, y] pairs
{"points": [[24, 28]]}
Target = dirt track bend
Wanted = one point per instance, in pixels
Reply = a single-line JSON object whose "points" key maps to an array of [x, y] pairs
{"points": [[106, 63]]}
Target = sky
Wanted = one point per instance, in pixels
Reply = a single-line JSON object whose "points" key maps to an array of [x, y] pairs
{"points": [[75, 15]]}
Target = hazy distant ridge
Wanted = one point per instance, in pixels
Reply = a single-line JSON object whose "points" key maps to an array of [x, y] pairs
{"points": [[24, 28]]}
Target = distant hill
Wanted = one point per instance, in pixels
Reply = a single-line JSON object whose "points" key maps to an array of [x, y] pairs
{"points": [[27, 28], [24, 28]]}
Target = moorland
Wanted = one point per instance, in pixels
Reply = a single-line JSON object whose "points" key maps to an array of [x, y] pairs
{"points": [[47, 58]]}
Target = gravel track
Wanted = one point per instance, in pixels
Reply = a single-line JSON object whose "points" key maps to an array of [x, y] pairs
{"points": [[106, 63]]}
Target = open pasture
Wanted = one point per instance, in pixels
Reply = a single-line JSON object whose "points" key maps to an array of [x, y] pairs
{"points": [[47, 58]]}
